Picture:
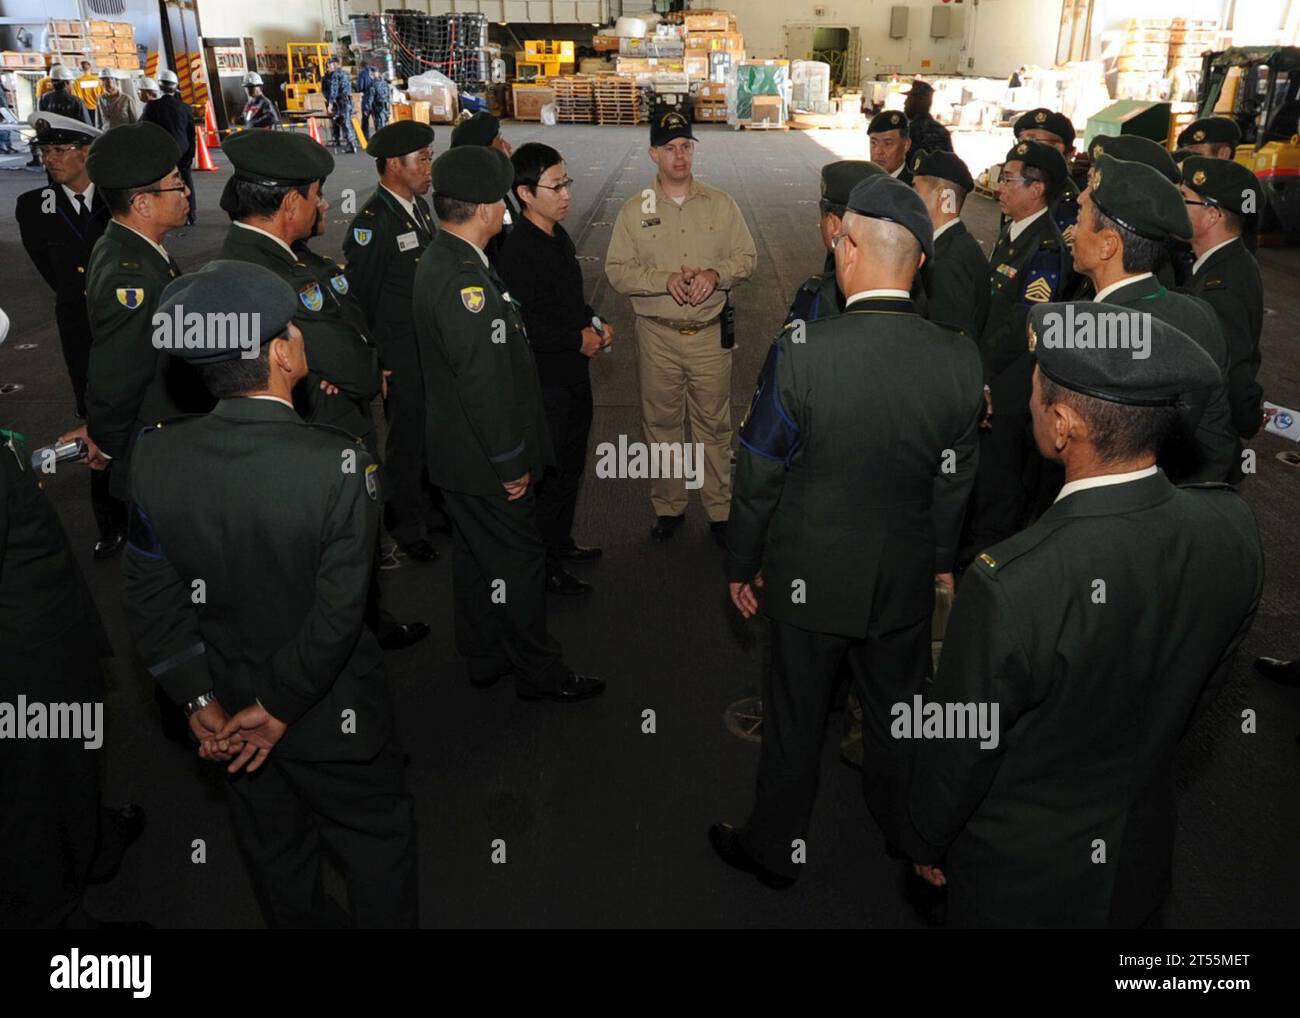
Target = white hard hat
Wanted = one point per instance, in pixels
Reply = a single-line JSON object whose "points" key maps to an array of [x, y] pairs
{"points": [[62, 73], [148, 85], [166, 75], [107, 72], [252, 78]]}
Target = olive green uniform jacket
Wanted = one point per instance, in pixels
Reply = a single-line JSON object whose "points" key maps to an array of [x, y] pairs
{"points": [[855, 462], [486, 423], [249, 557], [1098, 632]]}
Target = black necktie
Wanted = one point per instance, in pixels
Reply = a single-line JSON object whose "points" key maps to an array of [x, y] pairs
{"points": [[82, 212]]}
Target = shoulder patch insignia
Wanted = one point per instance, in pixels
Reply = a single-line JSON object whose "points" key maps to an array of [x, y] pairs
{"points": [[130, 297], [372, 482], [1039, 291], [311, 297], [361, 236], [339, 282], [473, 299]]}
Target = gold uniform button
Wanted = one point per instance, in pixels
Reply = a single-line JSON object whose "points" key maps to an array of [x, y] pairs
{"points": [[81, 268]]}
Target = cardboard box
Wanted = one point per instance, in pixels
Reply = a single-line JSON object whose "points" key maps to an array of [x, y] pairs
{"points": [[442, 106], [123, 30], [711, 113], [420, 112], [719, 21], [727, 42], [101, 28], [713, 90], [696, 68], [530, 100], [767, 109]]}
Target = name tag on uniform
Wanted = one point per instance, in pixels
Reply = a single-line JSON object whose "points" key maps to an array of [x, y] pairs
{"points": [[653, 221], [406, 241], [1008, 270]]}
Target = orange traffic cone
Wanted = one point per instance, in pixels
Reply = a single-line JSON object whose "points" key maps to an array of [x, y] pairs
{"points": [[202, 157], [210, 126], [313, 129]]}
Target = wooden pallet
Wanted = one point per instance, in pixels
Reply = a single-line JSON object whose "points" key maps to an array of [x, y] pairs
{"points": [[761, 125]]}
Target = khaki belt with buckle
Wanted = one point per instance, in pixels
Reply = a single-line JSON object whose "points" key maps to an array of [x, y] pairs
{"points": [[687, 329]]}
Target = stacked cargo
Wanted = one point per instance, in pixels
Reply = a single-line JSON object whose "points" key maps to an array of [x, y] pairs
{"points": [[713, 45], [711, 103], [1189, 38], [69, 44], [1143, 60]]}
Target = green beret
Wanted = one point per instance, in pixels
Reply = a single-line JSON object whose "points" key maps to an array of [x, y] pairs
{"points": [[1210, 131], [839, 177], [479, 129], [400, 138], [946, 165], [218, 290], [473, 173], [1118, 354], [888, 120], [1044, 157], [1225, 183], [881, 196], [277, 158], [1136, 149], [1139, 199], [1043, 119], [133, 155]]}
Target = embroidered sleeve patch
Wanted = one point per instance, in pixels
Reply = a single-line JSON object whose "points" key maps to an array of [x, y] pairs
{"points": [[473, 299], [130, 297]]}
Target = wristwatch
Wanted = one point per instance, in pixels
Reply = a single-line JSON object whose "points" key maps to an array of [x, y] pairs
{"points": [[199, 702]]}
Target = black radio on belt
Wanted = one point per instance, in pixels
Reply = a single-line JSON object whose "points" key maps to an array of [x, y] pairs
{"points": [[728, 323]]}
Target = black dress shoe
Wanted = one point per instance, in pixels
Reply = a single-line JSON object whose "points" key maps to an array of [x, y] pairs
{"points": [[403, 635], [119, 828], [726, 842], [577, 553], [666, 526], [719, 529], [572, 688], [566, 584], [1285, 672], [110, 544], [420, 551]]}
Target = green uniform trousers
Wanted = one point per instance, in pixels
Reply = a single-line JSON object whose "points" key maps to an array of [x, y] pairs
{"points": [[887, 668], [289, 811], [499, 585]]}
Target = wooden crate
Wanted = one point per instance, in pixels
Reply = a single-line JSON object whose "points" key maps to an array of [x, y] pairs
{"points": [[123, 30], [100, 28]]}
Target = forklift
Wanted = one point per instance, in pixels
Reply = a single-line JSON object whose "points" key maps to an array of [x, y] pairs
{"points": [[308, 64], [1259, 88]]}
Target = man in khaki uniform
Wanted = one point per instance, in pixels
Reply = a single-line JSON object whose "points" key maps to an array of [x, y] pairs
{"points": [[677, 246]]}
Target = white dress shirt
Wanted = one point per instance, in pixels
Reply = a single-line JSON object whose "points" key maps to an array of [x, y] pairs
{"points": [[1102, 480], [1020, 225], [1106, 291]]}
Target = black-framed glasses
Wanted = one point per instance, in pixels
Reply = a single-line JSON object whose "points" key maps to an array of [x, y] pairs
{"points": [[564, 185], [1207, 204], [160, 190], [59, 149]]}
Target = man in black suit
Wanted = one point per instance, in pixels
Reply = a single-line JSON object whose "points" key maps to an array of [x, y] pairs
{"points": [[175, 117], [59, 224]]}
